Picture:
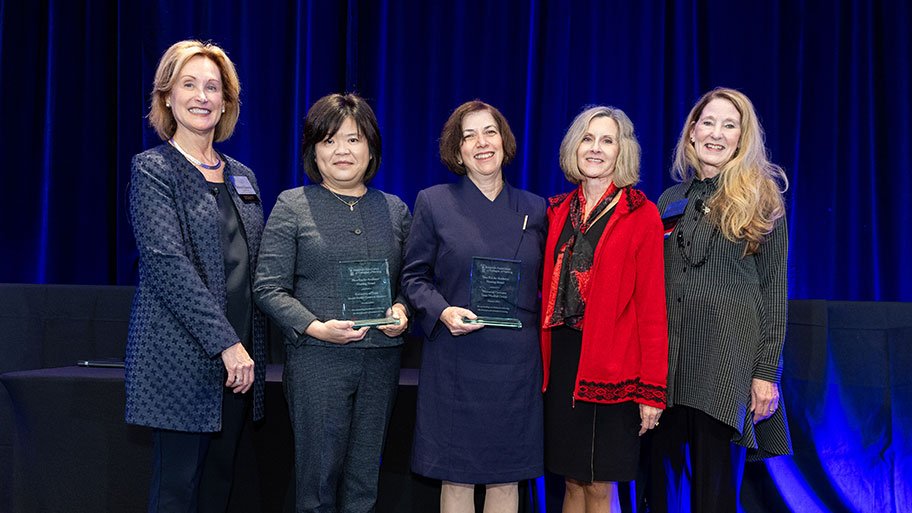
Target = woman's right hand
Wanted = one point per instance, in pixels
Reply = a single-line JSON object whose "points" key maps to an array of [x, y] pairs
{"points": [[335, 331], [452, 316]]}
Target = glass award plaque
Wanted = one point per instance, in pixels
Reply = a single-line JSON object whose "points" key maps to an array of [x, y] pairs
{"points": [[495, 286], [365, 291]]}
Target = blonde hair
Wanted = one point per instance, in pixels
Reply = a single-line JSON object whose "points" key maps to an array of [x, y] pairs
{"points": [[749, 199], [627, 166], [160, 116]]}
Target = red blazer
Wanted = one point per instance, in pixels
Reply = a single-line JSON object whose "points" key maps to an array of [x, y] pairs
{"points": [[625, 330]]}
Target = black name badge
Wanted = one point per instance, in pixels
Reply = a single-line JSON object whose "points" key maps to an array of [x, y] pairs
{"points": [[365, 291], [495, 287]]}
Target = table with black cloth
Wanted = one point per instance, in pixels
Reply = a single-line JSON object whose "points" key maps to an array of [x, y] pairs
{"points": [[846, 381], [73, 452]]}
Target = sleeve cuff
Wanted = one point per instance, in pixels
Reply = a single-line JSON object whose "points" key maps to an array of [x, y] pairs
{"points": [[766, 372], [299, 329]]}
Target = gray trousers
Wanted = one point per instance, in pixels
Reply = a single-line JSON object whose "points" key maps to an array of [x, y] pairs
{"points": [[339, 400]]}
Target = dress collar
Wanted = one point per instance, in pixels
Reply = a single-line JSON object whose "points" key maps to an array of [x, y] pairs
{"points": [[710, 184], [472, 192]]}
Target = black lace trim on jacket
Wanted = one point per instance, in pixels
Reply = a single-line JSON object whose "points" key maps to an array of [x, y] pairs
{"points": [[615, 392]]}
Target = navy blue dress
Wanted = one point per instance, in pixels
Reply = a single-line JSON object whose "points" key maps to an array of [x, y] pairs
{"points": [[479, 417]]}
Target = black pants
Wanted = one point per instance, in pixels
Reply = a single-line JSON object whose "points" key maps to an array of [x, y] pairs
{"points": [[193, 472], [691, 448]]}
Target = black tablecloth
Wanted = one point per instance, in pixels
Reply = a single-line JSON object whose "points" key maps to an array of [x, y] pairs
{"points": [[73, 452]]}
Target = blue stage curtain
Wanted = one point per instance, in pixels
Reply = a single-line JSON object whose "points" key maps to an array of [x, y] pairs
{"points": [[831, 80]]}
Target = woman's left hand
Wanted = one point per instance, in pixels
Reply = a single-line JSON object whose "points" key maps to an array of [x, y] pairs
{"points": [[764, 399], [394, 330], [649, 417], [239, 368]]}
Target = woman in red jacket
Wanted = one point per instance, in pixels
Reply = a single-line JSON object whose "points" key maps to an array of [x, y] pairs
{"points": [[604, 337]]}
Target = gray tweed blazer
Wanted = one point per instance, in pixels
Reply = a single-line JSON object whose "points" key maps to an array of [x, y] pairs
{"points": [[308, 233]]}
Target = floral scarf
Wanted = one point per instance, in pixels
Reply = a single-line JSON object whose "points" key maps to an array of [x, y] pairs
{"points": [[570, 279]]}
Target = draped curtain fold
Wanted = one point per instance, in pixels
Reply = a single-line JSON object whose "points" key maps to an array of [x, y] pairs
{"points": [[831, 81]]}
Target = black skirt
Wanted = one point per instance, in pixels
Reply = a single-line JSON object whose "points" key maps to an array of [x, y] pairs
{"points": [[587, 441]]}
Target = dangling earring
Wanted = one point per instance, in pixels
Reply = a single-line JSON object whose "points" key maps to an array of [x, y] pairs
{"points": [[168, 104], [223, 109]]}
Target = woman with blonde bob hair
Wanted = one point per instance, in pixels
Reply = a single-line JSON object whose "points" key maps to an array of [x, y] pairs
{"points": [[726, 251], [627, 168], [196, 344], [604, 344], [161, 116]]}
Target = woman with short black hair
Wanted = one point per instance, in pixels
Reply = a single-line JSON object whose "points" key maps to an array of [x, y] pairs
{"points": [[340, 381]]}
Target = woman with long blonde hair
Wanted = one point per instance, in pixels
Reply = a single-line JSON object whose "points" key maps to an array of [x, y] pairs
{"points": [[726, 246]]}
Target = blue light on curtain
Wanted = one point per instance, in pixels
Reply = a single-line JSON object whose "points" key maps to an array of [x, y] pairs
{"points": [[832, 92], [831, 81], [529, 92], [45, 212], [798, 494]]}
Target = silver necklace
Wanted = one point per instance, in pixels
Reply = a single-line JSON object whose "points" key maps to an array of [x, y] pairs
{"points": [[351, 204], [193, 160]]}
